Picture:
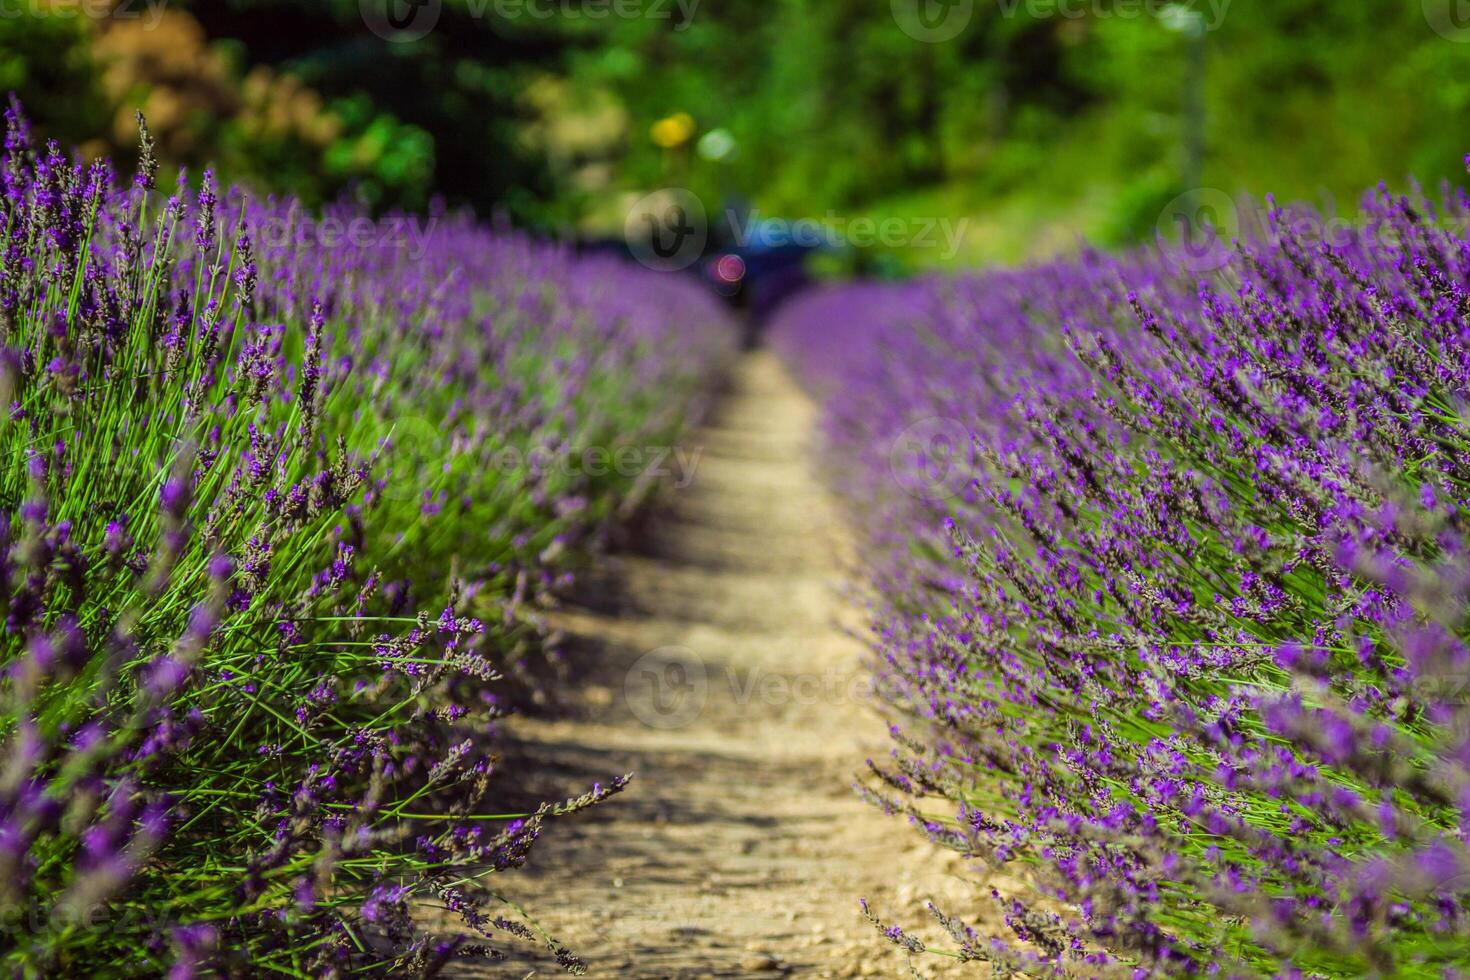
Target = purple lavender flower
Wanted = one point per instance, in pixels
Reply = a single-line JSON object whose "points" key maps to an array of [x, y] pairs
{"points": [[254, 641], [1183, 634]]}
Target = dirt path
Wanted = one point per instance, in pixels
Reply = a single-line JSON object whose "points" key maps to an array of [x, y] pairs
{"points": [[721, 679]]}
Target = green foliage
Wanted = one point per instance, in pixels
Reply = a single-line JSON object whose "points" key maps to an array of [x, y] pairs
{"points": [[47, 59], [1079, 119], [438, 115], [83, 78], [1056, 123]]}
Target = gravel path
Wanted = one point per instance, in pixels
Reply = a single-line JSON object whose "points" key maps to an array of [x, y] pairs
{"points": [[717, 673]]}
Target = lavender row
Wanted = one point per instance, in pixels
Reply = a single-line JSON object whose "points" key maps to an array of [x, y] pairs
{"points": [[1171, 576], [278, 526]]}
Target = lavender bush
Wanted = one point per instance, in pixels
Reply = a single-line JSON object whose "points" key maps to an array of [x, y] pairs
{"points": [[1171, 575], [277, 516]]}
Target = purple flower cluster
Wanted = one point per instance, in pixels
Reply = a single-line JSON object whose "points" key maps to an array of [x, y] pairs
{"points": [[266, 582], [1171, 583]]}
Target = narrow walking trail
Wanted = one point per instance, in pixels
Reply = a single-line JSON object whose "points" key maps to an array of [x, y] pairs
{"points": [[714, 667]]}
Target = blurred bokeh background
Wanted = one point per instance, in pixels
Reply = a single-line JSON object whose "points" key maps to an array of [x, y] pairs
{"points": [[1040, 121]]}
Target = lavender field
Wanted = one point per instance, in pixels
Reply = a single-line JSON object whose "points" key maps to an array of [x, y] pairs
{"points": [[1170, 574], [518, 490], [279, 524]]}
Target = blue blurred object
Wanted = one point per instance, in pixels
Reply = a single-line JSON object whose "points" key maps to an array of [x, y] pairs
{"points": [[752, 264], [756, 265]]}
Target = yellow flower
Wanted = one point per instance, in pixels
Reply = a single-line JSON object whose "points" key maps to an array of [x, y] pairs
{"points": [[672, 131]]}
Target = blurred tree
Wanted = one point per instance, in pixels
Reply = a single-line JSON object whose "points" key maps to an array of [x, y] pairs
{"points": [[1040, 119], [81, 78], [48, 61], [463, 82], [1082, 110]]}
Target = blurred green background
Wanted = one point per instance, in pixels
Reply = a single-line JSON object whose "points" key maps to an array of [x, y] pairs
{"points": [[1041, 121]]}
